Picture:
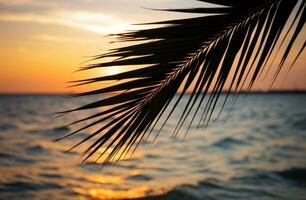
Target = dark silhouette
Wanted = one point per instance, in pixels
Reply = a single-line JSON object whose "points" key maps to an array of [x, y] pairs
{"points": [[194, 54]]}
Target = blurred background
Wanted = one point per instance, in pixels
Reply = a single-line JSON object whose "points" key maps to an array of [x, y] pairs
{"points": [[255, 150], [44, 42]]}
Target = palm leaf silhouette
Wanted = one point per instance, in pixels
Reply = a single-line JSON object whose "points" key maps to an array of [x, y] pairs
{"points": [[195, 54]]}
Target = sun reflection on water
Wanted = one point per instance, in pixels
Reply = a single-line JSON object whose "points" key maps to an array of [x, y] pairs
{"points": [[99, 193], [115, 188], [32, 166]]}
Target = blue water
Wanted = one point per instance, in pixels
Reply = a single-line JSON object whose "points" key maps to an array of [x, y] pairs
{"points": [[255, 151]]}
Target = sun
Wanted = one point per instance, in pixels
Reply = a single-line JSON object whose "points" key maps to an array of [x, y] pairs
{"points": [[112, 71]]}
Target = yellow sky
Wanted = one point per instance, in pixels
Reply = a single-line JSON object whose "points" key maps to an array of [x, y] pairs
{"points": [[44, 42]]}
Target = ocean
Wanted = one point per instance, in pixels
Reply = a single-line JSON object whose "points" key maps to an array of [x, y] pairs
{"points": [[255, 150]]}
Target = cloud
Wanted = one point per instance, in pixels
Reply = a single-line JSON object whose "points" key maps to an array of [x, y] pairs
{"points": [[28, 3], [56, 38], [92, 15], [93, 22], [77, 15]]}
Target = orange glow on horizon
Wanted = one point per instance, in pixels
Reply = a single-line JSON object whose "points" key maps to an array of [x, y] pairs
{"points": [[40, 50]]}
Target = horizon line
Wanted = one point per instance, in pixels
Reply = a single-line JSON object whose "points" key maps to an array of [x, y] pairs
{"points": [[223, 92]]}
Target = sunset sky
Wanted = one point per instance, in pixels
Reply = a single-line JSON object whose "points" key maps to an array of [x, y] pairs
{"points": [[44, 42]]}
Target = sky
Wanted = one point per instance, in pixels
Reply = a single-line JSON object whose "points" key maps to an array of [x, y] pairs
{"points": [[43, 42]]}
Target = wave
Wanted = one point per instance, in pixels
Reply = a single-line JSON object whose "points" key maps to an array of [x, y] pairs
{"points": [[90, 165], [61, 129], [252, 185], [20, 186], [295, 174], [153, 156], [7, 127], [228, 143], [175, 194], [139, 177], [297, 121], [51, 176], [48, 132], [36, 149], [8, 159]]}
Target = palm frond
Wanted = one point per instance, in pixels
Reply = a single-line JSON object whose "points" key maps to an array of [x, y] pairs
{"points": [[195, 54]]}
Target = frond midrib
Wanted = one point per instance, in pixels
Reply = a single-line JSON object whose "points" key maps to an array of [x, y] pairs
{"points": [[206, 45]]}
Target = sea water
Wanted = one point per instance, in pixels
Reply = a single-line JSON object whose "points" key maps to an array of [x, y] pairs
{"points": [[255, 150]]}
